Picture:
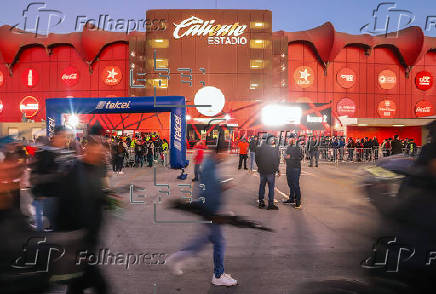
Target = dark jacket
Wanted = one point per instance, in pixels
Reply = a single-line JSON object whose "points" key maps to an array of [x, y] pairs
{"points": [[396, 147], [253, 145], [267, 159], [296, 157]]}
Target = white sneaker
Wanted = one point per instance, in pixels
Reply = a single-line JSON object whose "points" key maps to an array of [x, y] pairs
{"points": [[121, 173], [174, 261], [224, 280]]}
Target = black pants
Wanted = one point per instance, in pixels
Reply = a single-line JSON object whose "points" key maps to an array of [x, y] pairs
{"points": [[150, 159], [92, 278], [242, 157], [119, 163], [293, 178]]}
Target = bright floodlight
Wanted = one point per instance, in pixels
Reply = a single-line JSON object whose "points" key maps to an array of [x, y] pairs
{"points": [[188, 117], [210, 96], [73, 121], [277, 115], [227, 117]]}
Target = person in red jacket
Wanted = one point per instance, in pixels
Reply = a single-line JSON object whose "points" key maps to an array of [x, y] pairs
{"points": [[243, 153], [198, 159]]}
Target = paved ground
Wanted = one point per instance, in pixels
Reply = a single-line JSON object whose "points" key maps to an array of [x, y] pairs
{"points": [[326, 240]]}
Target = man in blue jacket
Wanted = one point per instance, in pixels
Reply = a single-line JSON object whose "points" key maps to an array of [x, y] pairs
{"points": [[210, 204]]}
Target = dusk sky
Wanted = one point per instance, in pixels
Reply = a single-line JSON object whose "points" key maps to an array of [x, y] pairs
{"points": [[288, 15]]}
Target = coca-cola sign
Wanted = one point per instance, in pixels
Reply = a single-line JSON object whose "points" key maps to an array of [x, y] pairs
{"points": [[424, 108], [30, 77], [70, 76]]}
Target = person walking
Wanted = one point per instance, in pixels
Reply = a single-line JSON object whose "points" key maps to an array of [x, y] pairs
{"points": [[165, 152], [252, 149], [150, 150], [243, 153], [312, 150], [293, 158], [267, 161], [396, 146], [121, 153], [139, 153], [210, 205], [198, 159]]}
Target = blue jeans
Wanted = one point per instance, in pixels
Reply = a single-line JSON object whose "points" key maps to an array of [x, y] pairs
{"points": [[196, 171], [293, 177], [47, 207], [270, 179], [213, 235], [252, 158]]}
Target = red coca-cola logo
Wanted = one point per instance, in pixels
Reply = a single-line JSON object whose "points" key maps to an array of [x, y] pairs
{"points": [[346, 107], [70, 76], [424, 108], [387, 108], [424, 80], [30, 77]]}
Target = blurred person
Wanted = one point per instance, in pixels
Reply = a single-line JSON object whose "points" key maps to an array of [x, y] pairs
{"points": [[341, 148], [350, 148], [120, 154], [48, 169], [312, 150], [243, 153], [139, 153], [15, 232], [198, 159], [114, 149], [165, 151], [150, 150], [81, 207], [375, 147], [211, 205], [293, 158], [412, 148], [252, 149], [396, 146], [267, 161]]}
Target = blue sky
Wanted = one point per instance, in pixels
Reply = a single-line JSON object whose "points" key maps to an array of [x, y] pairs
{"points": [[288, 15]]}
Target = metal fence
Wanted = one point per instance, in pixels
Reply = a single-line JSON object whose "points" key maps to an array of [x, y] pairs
{"points": [[337, 155]]}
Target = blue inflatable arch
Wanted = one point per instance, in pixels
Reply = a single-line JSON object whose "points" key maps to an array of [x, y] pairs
{"points": [[55, 107]]}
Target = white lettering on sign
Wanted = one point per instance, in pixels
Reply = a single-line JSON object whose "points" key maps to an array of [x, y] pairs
{"points": [[112, 105], [195, 26], [72, 76], [178, 132], [348, 78]]}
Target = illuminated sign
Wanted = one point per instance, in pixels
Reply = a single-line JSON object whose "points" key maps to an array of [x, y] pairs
{"points": [[387, 109], [70, 76], [424, 80], [216, 33], [1, 106], [387, 79], [29, 106], [113, 105], [277, 115], [112, 75], [346, 78], [210, 96], [177, 132], [2, 79], [304, 76], [30, 77], [424, 108]]}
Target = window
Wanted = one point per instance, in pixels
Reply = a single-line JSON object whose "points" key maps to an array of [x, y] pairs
{"points": [[158, 43], [151, 83], [257, 44], [257, 64], [257, 25]]}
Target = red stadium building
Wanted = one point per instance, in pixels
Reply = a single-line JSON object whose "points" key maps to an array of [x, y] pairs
{"points": [[230, 59]]}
